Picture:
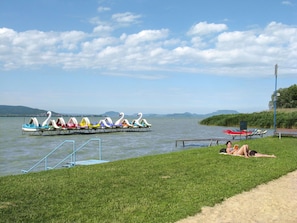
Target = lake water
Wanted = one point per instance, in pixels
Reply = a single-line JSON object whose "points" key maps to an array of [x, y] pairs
{"points": [[21, 151]]}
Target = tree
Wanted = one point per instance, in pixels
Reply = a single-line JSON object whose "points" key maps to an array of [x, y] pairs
{"points": [[287, 98]]}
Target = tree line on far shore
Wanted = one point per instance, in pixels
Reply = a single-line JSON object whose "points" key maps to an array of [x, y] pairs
{"points": [[286, 115], [285, 118]]}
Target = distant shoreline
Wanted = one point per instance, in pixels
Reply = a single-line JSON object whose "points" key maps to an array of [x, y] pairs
{"points": [[23, 111]]}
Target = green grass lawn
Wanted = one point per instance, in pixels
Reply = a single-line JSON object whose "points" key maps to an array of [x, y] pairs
{"points": [[159, 188]]}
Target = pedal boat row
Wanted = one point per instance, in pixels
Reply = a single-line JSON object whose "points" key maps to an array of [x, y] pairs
{"points": [[85, 124], [246, 133]]}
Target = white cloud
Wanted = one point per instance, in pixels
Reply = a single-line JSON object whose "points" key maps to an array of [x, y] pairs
{"points": [[204, 28], [98, 44], [126, 18], [103, 29], [198, 42], [253, 47], [103, 9], [70, 40], [146, 36], [138, 75], [226, 52], [287, 3]]}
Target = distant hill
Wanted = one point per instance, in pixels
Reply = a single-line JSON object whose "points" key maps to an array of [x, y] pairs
{"points": [[8, 110], [111, 114], [223, 112], [23, 111], [188, 114]]}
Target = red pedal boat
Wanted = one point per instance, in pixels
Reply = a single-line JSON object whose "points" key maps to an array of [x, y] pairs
{"points": [[238, 132]]}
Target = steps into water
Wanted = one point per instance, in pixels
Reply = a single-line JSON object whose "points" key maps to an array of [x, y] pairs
{"points": [[88, 162], [70, 159]]}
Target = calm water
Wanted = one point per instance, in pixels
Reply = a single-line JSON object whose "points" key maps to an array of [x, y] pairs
{"points": [[21, 151]]}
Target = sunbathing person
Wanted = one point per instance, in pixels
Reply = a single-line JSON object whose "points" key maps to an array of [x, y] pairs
{"points": [[256, 154], [244, 151]]}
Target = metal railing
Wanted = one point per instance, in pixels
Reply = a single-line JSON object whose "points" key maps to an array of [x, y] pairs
{"points": [[74, 153], [71, 156]]}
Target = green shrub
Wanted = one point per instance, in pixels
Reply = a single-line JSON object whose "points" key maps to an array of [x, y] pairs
{"points": [[264, 119]]}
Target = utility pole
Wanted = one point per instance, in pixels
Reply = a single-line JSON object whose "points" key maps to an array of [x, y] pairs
{"points": [[275, 98]]}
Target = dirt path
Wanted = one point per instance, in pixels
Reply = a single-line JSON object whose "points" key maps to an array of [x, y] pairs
{"points": [[275, 201]]}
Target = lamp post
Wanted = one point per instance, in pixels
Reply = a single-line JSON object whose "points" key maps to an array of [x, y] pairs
{"points": [[275, 98]]}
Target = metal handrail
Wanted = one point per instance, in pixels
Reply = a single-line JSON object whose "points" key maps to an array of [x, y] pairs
{"points": [[72, 155], [87, 142], [45, 159]]}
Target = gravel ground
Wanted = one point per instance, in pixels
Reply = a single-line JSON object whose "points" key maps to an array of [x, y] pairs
{"points": [[275, 201]]}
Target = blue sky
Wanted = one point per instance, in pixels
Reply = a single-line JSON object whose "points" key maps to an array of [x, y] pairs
{"points": [[149, 56]]}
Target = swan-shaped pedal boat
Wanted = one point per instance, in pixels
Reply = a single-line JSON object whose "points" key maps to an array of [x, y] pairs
{"points": [[34, 125], [141, 123], [84, 124]]}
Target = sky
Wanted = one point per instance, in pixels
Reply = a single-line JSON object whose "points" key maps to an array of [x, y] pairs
{"points": [[149, 56]]}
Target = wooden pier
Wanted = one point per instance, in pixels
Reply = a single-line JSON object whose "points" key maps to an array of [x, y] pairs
{"points": [[211, 141], [50, 132], [286, 132]]}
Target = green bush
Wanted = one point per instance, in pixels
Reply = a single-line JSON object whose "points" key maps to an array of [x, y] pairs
{"points": [[257, 120]]}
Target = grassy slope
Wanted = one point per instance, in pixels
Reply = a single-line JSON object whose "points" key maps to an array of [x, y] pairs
{"points": [[160, 188]]}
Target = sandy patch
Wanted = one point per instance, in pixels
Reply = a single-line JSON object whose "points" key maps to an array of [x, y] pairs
{"points": [[275, 201]]}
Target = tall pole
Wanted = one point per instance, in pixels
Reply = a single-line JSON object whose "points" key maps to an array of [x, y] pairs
{"points": [[275, 98]]}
